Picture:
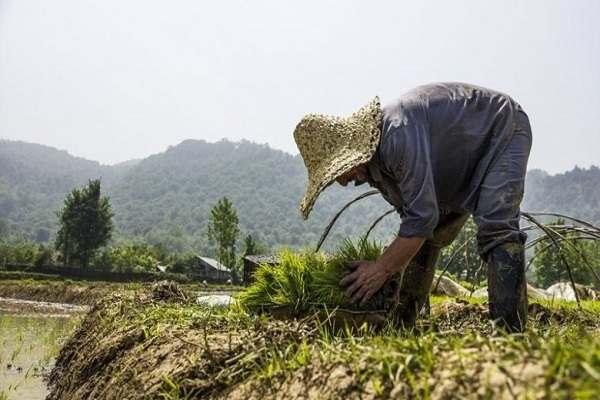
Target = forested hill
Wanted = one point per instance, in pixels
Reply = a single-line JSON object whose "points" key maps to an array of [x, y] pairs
{"points": [[575, 192], [167, 197]]}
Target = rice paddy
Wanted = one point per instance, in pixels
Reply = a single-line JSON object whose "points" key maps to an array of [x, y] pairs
{"points": [[28, 345]]}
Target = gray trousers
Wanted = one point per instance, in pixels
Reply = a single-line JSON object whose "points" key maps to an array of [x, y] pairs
{"points": [[497, 210]]}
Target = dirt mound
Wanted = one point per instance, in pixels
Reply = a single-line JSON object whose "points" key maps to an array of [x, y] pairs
{"points": [[138, 347], [133, 346]]}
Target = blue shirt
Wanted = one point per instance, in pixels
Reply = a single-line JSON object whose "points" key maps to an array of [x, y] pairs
{"points": [[437, 142]]}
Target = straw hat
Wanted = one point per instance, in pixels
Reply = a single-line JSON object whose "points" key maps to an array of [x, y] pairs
{"points": [[332, 146]]}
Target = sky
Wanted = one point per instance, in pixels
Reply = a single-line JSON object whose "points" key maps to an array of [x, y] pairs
{"points": [[116, 80]]}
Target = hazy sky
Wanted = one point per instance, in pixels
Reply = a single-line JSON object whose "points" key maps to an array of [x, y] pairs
{"points": [[114, 80]]}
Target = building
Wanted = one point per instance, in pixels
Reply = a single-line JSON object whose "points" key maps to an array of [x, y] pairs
{"points": [[210, 270]]}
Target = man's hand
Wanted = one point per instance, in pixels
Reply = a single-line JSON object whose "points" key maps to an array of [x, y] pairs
{"points": [[365, 280], [368, 277]]}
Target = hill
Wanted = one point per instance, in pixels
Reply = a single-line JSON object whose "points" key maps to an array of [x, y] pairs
{"points": [[166, 198], [575, 192]]}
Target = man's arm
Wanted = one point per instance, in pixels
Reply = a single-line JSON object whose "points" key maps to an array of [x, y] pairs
{"points": [[369, 276]]}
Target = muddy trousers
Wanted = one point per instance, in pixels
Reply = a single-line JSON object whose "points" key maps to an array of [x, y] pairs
{"points": [[418, 276], [507, 286]]}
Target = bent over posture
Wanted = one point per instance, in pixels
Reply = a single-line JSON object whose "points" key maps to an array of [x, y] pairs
{"points": [[438, 154]]}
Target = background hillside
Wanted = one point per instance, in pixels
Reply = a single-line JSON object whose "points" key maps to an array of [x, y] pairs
{"points": [[166, 198]]}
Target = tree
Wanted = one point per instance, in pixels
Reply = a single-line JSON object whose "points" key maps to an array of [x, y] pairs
{"points": [[254, 246], [223, 229], [3, 229], [549, 266], [249, 245], [85, 224]]}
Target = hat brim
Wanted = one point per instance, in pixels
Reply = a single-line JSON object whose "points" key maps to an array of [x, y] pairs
{"points": [[344, 155]]}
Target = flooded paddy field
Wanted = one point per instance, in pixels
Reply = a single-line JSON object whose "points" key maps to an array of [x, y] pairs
{"points": [[31, 335]]}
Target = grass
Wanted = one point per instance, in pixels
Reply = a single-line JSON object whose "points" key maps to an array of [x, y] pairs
{"points": [[28, 344], [197, 352], [307, 280]]}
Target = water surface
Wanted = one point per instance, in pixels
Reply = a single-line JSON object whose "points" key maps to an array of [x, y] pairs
{"points": [[31, 334]]}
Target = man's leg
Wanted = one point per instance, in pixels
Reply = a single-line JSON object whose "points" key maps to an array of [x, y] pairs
{"points": [[501, 242], [416, 283]]}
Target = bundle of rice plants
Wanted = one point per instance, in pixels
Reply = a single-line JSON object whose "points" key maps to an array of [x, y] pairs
{"points": [[325, 281], [307, 280]]}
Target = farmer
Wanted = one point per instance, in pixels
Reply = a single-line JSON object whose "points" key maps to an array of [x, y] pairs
{"points": [[439, 153]]}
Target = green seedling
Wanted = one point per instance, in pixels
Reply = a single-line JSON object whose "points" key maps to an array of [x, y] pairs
{"points": [[308, 280]]}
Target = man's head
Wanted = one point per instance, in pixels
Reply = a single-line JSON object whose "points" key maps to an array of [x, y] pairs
{"points": [[358, 175]]}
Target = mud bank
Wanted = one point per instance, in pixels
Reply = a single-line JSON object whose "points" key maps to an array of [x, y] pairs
{"points": [[88, 293], [136, 346], [55, 292], [9, 305]]}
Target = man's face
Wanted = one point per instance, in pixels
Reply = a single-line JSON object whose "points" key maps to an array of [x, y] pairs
{"points": [[358, 175]]}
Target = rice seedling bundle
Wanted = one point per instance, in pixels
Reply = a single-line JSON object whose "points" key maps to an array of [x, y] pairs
{"points": [[304, 281]]}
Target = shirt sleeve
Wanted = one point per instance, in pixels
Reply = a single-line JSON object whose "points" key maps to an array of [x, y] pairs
{"points": [[406, 155]]}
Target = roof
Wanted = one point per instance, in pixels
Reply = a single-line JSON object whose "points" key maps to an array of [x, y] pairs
{"points": [[262, 259], [161, 268], [215, 264]]}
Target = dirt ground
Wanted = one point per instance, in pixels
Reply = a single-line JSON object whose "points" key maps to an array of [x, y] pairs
{"points": [[138, 346]]}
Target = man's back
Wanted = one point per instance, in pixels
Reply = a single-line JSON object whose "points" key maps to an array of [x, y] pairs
{"points": [[454, 129]]}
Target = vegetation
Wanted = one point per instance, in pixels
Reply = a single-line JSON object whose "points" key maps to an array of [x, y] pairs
{"points": [[549, 265], [27, 253], [253, 246], [223, 230], [85, 224], [127, 257], [304, 281], [166, 198]]}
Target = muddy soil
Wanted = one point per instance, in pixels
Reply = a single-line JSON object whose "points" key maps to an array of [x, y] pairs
{"points": [[55, 292], [112, 356], [9, 305], [139, 346]]}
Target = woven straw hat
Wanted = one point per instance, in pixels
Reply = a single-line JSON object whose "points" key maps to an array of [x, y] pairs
{"points": [[332, 146]]}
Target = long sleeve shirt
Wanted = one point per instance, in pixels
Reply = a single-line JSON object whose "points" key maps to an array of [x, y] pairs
{"points": [[437, 142]]}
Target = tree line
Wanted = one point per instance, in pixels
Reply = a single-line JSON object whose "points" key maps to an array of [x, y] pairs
{"points": [[86, 229]]}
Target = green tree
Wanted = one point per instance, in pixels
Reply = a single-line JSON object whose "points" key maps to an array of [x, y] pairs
{"points": [[253, 245], [249, 245], [3, 229], [85, 224], [223, 229], [550, 268]]}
